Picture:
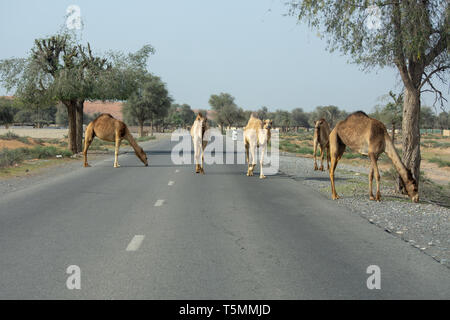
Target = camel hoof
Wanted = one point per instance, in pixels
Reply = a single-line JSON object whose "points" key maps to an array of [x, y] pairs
{"points": [[335, 197], [87, 165], [262, 177], [315, 168], [116, 166], [372, 198], [321, 169]]}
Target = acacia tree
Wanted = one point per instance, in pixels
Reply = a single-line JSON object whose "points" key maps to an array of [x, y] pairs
{"points": [[410, 35], [227, 113], [59, 69], [151, 101]]}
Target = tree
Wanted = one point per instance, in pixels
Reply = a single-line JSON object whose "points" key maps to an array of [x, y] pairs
{"points": [[331, 114], [427, 118], [391, 113], [300, 118], [227, 112], [412, 36], [187, 115], [7, 111], [262, 113], [283, 119], [443, 120], [149, 102], [59, 69]]}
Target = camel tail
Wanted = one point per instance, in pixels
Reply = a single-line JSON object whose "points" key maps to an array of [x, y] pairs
{"points": [[395, 158]]}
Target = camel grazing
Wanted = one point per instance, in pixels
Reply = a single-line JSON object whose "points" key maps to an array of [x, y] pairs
{"points": [[109, 129], [198, 130], [256, 134], [368, 136], [321, 134]]}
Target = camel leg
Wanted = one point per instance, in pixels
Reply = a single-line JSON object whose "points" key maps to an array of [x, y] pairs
{"points": [[322, 154], [202, 169], [246, 152], [336, 152], [116, 153], [315, 151], [328, 157], [197, 156], [371, 182], [252, 164], [374, 160], [261, 162], [88, 138]]}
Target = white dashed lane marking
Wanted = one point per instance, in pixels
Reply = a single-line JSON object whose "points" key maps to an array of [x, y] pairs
{"points": [[159, 203], [135, 243], [176, 171], [171, 183]]}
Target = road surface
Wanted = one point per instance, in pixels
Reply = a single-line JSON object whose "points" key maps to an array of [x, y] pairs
{"points": [[162, 232]]}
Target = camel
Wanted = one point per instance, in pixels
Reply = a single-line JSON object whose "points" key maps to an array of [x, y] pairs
{"points": [[198, 130], [321, 134], [369, 137], [107, 128], [256, 134]]}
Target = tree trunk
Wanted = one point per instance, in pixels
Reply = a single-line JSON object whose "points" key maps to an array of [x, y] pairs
{"points": [[72, 135], [141, 128], [393, 133], [411, 134], [79, 124], [151, 128]]}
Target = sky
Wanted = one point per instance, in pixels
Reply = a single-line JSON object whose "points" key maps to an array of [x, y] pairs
{"points": [[248, 48]]}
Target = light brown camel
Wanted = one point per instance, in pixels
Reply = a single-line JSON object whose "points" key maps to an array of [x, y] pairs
{"points": [[256, 135], [109, 129], [321, 135], [368, 136], [198, 130]]}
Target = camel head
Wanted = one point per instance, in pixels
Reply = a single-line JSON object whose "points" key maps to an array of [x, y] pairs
{"points": [[319, 123], [267, 124], [142, 155], [411, 187]]}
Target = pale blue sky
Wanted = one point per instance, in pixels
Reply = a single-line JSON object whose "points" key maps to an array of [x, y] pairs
{"points": [[244, 47]]}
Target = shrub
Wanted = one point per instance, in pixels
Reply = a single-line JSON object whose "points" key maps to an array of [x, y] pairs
{"points": [[10, 157]]}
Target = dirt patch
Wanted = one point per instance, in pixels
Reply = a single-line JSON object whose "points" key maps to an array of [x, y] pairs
{"points": [[433, 172], [13, 144]]}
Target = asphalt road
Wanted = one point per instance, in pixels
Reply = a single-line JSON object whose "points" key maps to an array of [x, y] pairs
{"points": [[162, 232]]}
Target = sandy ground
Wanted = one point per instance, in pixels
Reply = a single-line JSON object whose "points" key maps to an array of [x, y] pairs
{"points": [[37, 133]]}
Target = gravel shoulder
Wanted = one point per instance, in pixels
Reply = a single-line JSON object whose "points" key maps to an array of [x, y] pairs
{"points": [[424, 226]]}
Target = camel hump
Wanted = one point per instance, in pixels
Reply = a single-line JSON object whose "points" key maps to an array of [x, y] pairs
{"points": [[359, 114]]}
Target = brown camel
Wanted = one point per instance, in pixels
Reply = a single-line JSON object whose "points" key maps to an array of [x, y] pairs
{"points": [[198, 131], [369, 137], [321, 134], [109, 129]]}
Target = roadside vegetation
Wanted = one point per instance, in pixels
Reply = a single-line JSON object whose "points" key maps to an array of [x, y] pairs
{"points": [[301, 144]]}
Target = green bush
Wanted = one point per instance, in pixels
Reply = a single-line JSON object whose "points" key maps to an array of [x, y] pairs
{"points": [[10, 157], [9, 136], [440, 162]]}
